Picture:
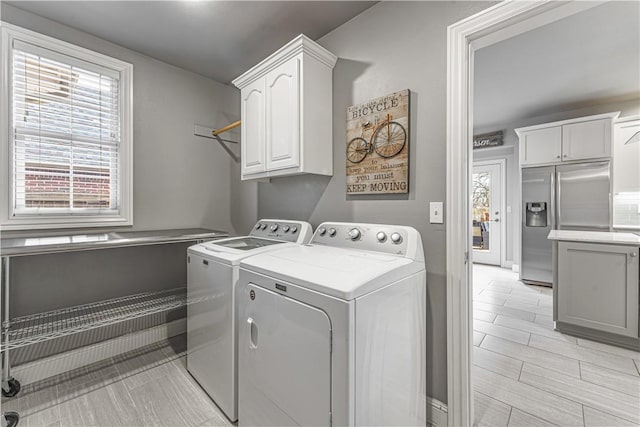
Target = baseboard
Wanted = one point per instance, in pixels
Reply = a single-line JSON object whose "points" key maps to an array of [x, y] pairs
{"points": [[436, 412], [515, 268], [54, 365]]}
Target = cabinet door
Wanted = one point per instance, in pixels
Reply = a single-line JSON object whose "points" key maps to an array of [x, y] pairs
{"points": [[283, 116], [541, 146], [253, 121], [586, 140], [598, 287]]}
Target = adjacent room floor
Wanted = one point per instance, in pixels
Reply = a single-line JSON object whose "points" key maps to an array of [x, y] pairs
{"points": [[526, 374]]}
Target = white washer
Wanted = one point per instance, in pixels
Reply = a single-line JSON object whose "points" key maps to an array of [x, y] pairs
{"points": [[333, 333], [212, 274]]}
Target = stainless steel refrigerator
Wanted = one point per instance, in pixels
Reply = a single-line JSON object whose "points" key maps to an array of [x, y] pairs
{"points": [[564, 197]]}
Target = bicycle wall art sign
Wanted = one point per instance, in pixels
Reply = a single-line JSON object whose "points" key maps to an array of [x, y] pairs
{"points": [[378, 145]]}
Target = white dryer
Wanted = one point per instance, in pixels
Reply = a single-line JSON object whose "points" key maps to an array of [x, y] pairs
{"points": [[212, 274], [333, 333]]}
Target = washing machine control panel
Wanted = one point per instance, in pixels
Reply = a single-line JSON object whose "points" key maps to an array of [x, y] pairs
{"points": [[287, 231], [393, 239]]}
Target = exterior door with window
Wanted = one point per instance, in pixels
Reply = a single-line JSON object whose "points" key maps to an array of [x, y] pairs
{"points": [[486, 214]]}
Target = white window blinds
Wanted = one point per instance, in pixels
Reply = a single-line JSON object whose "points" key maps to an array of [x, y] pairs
{"points": [[66, 134]]}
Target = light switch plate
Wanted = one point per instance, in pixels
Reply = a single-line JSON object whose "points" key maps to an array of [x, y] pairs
{"points": [[436, 214]]}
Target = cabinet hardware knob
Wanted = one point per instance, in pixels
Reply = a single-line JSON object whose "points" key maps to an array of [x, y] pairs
{"points": [[633, 254]]}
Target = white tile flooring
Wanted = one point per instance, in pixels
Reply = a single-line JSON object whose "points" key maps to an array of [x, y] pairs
{"points": [[148, 387], [527, 374]]}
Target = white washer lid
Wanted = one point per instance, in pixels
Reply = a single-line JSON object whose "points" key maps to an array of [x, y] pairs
{"points": [[339, 272], [232, 250]]}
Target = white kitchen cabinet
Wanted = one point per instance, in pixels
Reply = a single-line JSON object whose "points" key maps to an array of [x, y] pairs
{"points": [[541, 146], [585, 138], [597, 287], [286, 112]]}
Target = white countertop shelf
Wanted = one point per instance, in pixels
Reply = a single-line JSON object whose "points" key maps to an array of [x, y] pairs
{"points": [[614, 238]]}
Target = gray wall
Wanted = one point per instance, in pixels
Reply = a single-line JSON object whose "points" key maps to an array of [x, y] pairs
{"points": [[510, 152], [180, 180], [389, 47]]}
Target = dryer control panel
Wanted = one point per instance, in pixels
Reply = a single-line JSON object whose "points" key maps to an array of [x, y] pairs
{"points": [[391, 239], [288, 231]]}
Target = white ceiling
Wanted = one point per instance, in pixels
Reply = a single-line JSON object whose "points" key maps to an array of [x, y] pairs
{"points": [[218, 39], [580, 60]]}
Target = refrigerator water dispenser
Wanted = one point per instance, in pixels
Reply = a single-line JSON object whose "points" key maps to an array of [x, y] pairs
{"points": [[536, 214]]}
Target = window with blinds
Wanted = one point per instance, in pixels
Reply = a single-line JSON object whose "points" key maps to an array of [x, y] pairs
{"points": [[67, 149], [66, 123]]}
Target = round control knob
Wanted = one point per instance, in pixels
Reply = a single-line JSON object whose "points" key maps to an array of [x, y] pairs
{"points": [[263, 226], [396, 238], [381, 236], [354, 234], [258, 226], [285, 228], [294, 229], [274, 227], [332, 232], [322, 231]]}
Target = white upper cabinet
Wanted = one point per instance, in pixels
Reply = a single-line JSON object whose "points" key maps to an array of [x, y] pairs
{"points": [[283, 116], [585, 138], [253, 105], [287, 112], [541, 146]]}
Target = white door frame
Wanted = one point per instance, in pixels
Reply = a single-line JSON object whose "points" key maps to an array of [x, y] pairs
{"points": [[503, 205], [497, 23]]}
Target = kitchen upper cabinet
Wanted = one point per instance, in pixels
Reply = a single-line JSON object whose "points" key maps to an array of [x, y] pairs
{"points": [[541, 146], [597, 287], [287, 112], [585, 138]]}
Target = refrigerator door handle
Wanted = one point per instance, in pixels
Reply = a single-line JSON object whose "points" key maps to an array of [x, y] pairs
{"points": [[552, 211]]}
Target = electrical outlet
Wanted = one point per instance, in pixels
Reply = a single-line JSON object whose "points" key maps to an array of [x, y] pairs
{"points": [[436, 214]]}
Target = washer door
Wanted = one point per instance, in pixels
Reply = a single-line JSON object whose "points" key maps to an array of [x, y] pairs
{"points": [[284, 361]]}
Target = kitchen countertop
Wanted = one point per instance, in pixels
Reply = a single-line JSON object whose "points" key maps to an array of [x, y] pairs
{"points": [[617, 238], [82, 242]]}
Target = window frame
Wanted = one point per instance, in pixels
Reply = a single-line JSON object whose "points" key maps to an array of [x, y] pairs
{"points": [[8, 221]]}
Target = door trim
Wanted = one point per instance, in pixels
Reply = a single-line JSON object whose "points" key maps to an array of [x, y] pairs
{"points": [[492, 25], [503, 205]]}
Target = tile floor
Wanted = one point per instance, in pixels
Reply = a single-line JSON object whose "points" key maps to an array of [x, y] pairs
{"points": [[527, 374], [148, 387]]}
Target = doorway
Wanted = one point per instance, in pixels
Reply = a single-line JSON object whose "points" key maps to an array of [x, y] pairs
{"points": [[487, 198], [497, 23]]}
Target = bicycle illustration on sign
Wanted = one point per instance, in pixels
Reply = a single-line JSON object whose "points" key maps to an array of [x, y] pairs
{"points": [[387, 140]]}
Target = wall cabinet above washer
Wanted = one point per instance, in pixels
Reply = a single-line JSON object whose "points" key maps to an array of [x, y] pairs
{"points": [[286, 112], [584, 138]]}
